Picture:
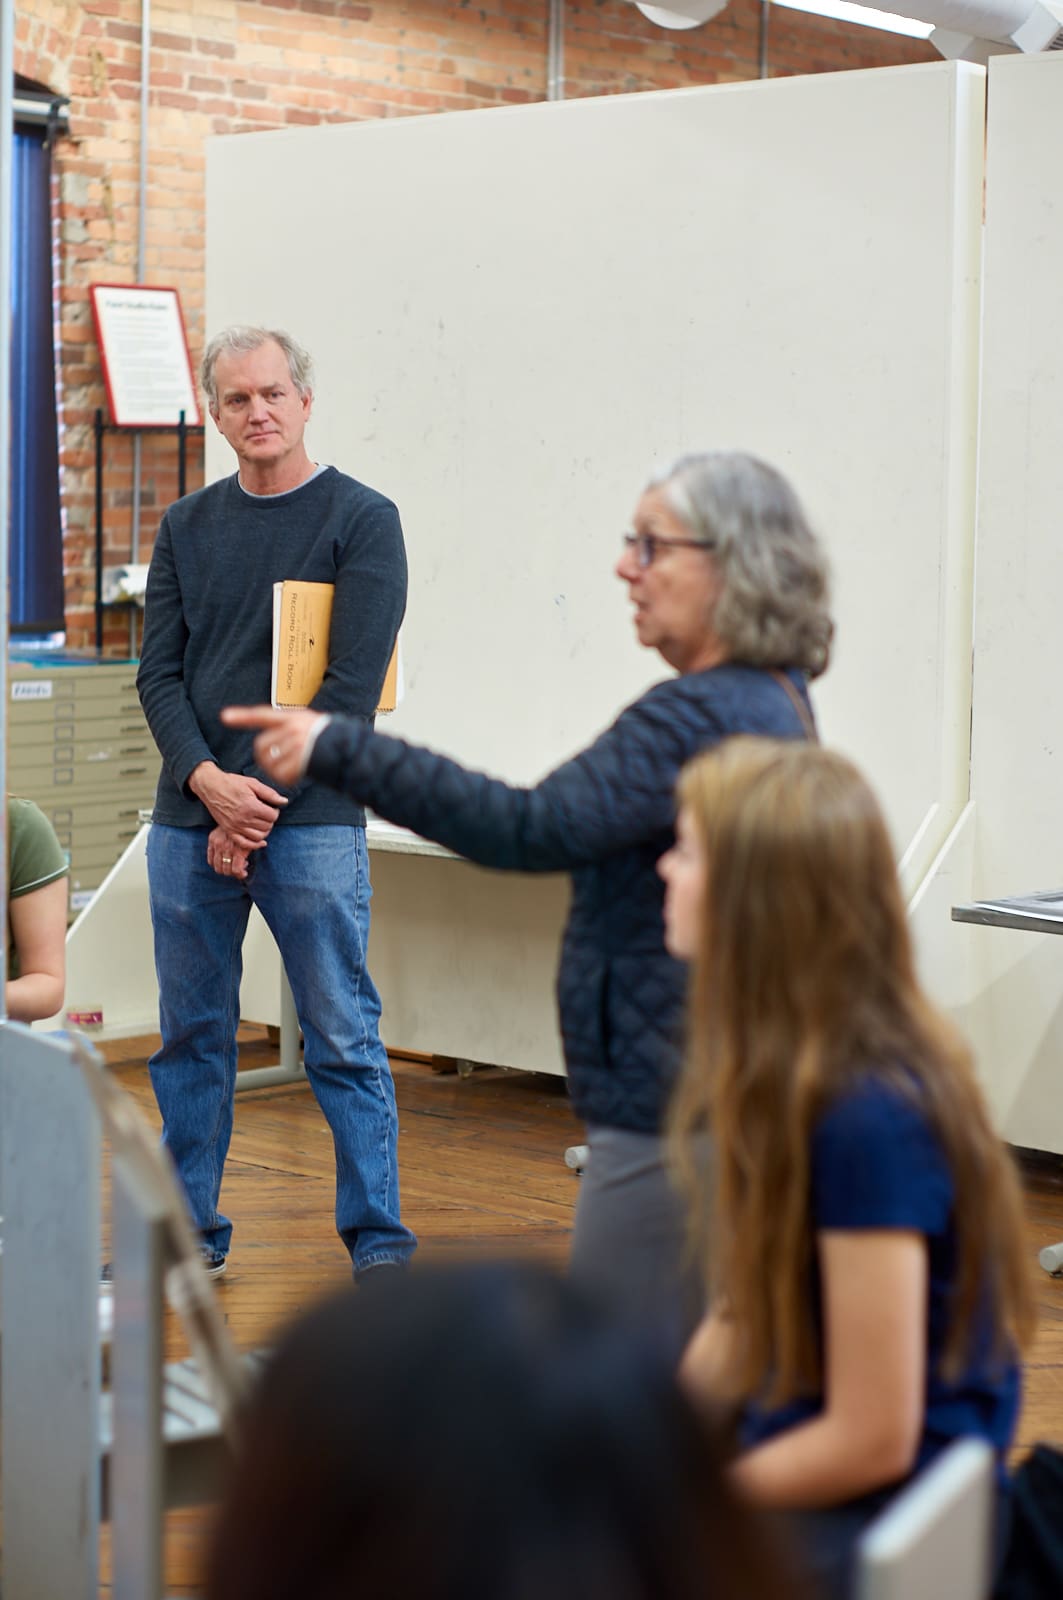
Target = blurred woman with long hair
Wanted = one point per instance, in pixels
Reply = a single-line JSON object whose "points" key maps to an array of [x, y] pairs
{"points": [[862, 1223]]}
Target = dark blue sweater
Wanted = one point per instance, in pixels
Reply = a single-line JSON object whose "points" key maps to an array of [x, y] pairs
{"points": [[606, 817], [208, 624]]}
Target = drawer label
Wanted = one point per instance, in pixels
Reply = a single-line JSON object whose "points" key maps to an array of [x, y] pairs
{"points": [[32, 691]]}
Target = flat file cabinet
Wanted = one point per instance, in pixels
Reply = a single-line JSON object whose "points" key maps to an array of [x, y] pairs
{"points": [[79, 745]]}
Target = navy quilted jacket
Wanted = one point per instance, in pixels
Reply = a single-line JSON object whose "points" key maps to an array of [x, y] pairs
{"points": [[606, 817]]}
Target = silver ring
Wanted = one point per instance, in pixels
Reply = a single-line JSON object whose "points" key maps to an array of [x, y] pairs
{"points": [[226, 861], [274, 751]]}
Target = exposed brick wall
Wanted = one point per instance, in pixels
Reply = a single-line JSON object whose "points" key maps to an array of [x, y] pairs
{"points": [[230, 66]]}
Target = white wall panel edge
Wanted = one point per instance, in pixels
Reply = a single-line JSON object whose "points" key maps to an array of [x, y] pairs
{"points": [[942, 951], [959, 446], [917, 849], [218, 147]]}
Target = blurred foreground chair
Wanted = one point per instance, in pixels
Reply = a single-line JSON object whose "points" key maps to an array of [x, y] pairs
{"points": [[934, 1541], [73, 1456]]}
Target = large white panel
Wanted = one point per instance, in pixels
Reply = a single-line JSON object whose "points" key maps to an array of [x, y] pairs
{"points": [[516, 312], [1017, 743]]}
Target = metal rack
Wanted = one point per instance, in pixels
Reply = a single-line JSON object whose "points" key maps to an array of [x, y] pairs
{"points": [[100, 427]]}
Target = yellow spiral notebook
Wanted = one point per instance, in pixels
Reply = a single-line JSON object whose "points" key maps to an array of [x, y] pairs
{"points": [[302, 616]]}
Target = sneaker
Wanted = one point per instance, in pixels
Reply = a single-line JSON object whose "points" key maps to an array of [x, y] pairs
{"points": [[214, 1265]]}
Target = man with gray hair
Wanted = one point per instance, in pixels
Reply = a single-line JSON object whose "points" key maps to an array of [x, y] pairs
{"points": [[224, 838]]}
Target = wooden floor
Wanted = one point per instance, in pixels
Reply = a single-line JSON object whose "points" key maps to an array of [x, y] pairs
{"points": [[482, 1171]]}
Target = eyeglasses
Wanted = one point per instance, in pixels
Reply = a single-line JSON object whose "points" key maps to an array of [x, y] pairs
{"points": [[646, 546]]}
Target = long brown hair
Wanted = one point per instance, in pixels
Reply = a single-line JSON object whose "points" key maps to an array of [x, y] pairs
{"points": [[803, 983]]}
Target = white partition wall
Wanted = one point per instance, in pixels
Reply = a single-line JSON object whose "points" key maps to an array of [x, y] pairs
{"points": [[515, 314], [1014, 981]]}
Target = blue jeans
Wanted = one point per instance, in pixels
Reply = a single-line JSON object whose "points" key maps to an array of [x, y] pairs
{"points": [[311, 885]]}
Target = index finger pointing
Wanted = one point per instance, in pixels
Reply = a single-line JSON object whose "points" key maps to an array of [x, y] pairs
{"points": [[252, 717]]}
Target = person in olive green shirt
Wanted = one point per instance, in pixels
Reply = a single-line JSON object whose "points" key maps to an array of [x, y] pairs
{"points": [[36, 914]]}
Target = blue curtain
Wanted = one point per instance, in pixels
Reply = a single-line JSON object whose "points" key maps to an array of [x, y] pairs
{"points": [[36, 538]]}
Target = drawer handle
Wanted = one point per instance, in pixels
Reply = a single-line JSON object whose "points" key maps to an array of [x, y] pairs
{"points": [[132, 772]]}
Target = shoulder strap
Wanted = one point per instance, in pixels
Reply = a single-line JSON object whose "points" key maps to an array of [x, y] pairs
{"points": [[805, 716]]}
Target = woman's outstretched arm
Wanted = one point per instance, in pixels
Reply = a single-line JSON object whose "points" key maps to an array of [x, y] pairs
{"points": [[616, 793]]}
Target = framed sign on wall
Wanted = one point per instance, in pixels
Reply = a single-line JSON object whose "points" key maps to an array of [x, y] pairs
{"points": [[144, 350]]}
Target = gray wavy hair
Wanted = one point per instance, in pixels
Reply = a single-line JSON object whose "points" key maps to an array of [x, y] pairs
{"points": [[773, 608], [240, 340]]}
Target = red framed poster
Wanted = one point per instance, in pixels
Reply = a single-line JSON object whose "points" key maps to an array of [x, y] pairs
{"points": [[144, 351]]}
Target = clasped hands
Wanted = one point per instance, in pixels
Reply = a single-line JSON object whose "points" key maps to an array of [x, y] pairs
{"points": [[245, 809]]}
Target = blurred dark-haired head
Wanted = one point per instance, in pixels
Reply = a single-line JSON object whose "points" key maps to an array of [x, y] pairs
{"points": [[477, 1433]]}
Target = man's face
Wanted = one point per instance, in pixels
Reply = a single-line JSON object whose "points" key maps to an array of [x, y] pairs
{"points": [[259, 409]]}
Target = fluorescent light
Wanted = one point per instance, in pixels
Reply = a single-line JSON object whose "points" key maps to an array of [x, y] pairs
{"points": [[886, 20]]}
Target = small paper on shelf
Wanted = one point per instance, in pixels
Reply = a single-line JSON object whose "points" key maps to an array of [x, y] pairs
{"points": [[302, 615]]}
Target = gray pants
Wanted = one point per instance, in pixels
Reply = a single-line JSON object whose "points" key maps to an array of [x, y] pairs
{"points": [[629, 1238]]}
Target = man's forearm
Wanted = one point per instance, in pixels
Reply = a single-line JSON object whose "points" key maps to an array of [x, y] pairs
{"points": [[199, 780], [205, 782]]}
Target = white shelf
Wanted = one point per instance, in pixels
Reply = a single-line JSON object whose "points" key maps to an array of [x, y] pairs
{"points": [[401, 842]]}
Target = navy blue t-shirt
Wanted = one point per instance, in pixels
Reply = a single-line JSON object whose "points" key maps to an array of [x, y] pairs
{"points": [[877, 1163]]}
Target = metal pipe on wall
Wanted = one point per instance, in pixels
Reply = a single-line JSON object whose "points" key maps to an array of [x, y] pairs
{"points": [[7, 170], [7, 167], [145, 84], [142, 205], [555, 51]]}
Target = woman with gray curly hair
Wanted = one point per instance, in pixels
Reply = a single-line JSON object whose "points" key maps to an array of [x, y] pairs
{"points": [[729, 585]]}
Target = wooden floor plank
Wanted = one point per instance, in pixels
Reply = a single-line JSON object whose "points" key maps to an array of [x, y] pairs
{"points": [[482, 1168]]}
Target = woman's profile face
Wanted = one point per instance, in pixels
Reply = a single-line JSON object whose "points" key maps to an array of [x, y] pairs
{"points": [[675, 592], [684, 869]]}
